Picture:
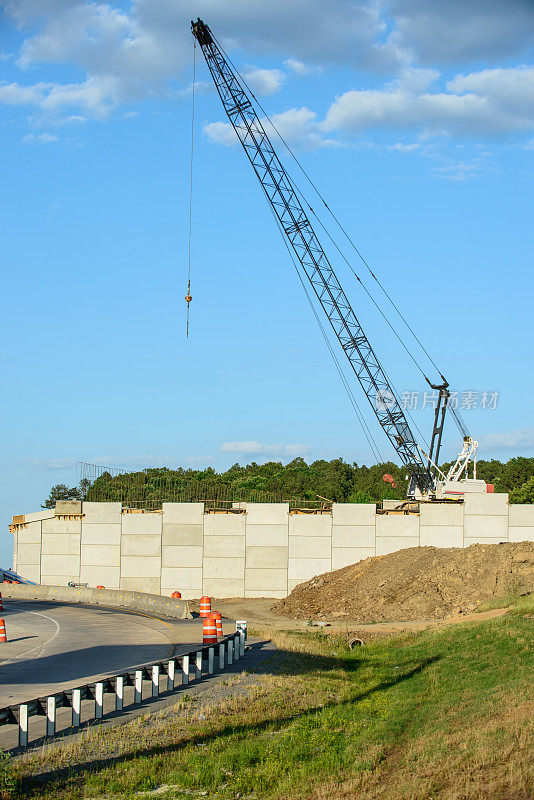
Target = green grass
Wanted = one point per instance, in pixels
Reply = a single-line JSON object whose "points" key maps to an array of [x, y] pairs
{"points": [[441, 714]]}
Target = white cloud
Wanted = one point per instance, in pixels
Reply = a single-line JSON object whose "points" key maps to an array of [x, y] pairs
{"points": [[299, 126], [301, 69], [221, 133], [46, 464], [265, 81], [40, 138], [487, 103], [521, 439], [259, 449]]}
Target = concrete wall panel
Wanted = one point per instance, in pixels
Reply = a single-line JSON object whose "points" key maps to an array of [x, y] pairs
{"points": [[57, 525], [353, 536], [150, 585], [442, 514], [182, 535], [183, 513], [353, 513], [486, 504], [485, 526], [343, 556], [182, 578], [310, 525], [397, 525], [185, 556], [31, 572], [27, 554], [142, 523], [60, 565], [101, 533], [141, 545], [57, 580], [139, 566], [227, 568], [266, 579], [101, 555], [30, 534], [267, 513], [302, 569], [224, 546], [98, 513], [441, 536], [390, 544], [67, 544], [224, 524], [267, 535], [521, 533], [310, 547], [223, 587], [521, 515], [100, 576], [267, 557], [276, 595]]}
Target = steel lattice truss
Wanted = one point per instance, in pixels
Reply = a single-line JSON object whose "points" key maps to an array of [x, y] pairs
{"points": [[294, 221]]}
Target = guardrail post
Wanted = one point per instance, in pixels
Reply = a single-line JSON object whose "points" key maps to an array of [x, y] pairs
{"points": [[155, 680], [241, 625], [221, 655], [76, 707], [51, 716], [241, 634], [138, 695], [185, 670], [23, 725], [99, 700], [211, 659], [230, 651], [171, 675], [198, 665], [237, 648], [119, 693]]}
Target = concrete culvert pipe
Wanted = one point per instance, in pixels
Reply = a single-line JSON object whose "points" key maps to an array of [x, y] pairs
{"points": [[356, 643]]}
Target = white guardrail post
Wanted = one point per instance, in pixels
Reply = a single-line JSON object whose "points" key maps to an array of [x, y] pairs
{"points": [[171, 675], [76, 707], [51, 715], [23, 725], [119, 692], [99, 700], [230, 649]]}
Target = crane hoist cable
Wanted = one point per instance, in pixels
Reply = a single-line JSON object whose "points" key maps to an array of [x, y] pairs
{"points": [[344, 232], [188, 297]]}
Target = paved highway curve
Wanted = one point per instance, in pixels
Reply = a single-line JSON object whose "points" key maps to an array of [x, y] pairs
{"points": [[54, 646]]}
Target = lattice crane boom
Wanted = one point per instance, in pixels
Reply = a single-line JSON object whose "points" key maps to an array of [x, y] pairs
{"points": [[284, 200]]}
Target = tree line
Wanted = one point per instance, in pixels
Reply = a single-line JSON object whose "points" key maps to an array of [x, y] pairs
{"points": [[273, 481]]}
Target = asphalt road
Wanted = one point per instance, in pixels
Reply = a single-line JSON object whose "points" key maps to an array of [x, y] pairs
{"points": [[54, 646]]}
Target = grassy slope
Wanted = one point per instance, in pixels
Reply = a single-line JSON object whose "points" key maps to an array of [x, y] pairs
{"points": [[446, 714]]}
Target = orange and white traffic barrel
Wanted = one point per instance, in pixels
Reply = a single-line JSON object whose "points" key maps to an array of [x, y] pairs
{"points": [[209, 631], [205, 606]]}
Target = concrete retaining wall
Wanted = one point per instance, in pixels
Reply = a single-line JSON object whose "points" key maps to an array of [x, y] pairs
{"points": [[264, 552], [100, 597]]}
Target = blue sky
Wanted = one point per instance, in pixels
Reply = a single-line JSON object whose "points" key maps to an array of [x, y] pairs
{"points": [[415, 119]]}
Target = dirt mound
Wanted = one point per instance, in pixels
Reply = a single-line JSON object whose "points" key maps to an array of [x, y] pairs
{"points": [[417, 583]]}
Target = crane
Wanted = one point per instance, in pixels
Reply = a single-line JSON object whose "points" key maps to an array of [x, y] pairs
{"points": [[283, 198]]}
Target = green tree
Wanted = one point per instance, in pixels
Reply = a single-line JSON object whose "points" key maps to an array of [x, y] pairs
{"points": [[61, 492], [524, 493]]}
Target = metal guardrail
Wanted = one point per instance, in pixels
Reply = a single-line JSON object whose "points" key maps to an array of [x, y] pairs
{"points": [[181, 670]]}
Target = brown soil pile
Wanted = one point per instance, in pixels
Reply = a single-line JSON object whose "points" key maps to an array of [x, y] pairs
{"points": [[417, 583]]}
